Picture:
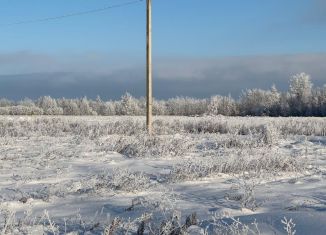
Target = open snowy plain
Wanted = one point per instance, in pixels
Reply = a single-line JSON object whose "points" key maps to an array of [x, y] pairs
{"points": [[196, 175]]}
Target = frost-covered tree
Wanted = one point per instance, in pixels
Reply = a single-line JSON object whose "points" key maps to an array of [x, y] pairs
{"points": [[84, 107], [275, 101], [49, 106], [284, 106], [323, 101], [27, 102], [224, 105], [5, 102], [259, 102], [300, 94], [318, 101], [301, 86], [301, 100], [128, 105], [186, 106], [175, 106], [142, 105], [108, 109], [159, 107], [69, 106], [96, 105]]}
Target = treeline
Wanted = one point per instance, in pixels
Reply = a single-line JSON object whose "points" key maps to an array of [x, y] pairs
{"points": [[302, 99]]}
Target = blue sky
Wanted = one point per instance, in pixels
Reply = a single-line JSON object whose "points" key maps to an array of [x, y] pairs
{"points": [[189, 32], [180, 27]]}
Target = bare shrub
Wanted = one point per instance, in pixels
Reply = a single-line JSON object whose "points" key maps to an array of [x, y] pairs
{"points": [[227, 225], [289, 226], [9, 220], [111, 229]]}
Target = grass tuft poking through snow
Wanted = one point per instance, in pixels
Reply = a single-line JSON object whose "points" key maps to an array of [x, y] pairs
{"points": [[195, 175]]}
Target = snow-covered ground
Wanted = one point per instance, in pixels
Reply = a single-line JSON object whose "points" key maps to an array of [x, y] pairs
{"points": [[90, 175]]}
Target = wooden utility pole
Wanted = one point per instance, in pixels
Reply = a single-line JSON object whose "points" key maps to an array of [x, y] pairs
{"points": [[149, 85]]}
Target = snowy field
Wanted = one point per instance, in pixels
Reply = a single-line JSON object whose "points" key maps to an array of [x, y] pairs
{"points": [[196, 175]]}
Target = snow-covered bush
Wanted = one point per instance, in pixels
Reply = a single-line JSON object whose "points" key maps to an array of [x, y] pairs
{"points": [[11, 224], [228, 225], [144, 145], [123, 180], [146, 223], [270, 135], [128, 126], [235, 163], [245, 188], [215, 142]]}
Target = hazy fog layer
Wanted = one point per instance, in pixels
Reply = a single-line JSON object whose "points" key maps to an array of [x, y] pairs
{"points": [[25, 74]]}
